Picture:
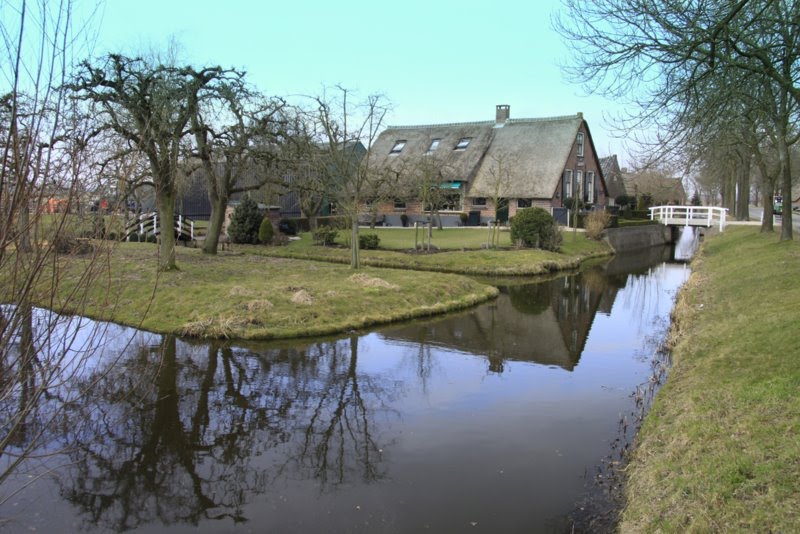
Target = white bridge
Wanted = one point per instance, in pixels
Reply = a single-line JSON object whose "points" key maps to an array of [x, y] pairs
{"points": [[689, 215]]}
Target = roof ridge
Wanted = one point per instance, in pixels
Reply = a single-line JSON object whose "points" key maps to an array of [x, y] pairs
{"points": [[482, 123], [415, 126]]}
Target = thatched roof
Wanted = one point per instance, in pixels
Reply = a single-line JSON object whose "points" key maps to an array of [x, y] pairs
{"points": [[527, 155], [662, 189], [613, 176]]}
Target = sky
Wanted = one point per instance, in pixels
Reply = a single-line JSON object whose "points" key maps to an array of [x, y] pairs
{"points": [[436, 61]]}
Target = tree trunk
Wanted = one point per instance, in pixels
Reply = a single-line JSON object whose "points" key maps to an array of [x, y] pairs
{"points": [[743, 186], [218, 207], [766, 220], [354, 257], [165, 201]]}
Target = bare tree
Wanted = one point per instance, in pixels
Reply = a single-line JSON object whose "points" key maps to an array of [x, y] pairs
{"points": [[151, 106], [43, 157], [237, 132], [671, 58], [347, 130]]}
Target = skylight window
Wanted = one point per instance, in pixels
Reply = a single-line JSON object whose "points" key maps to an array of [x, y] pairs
{"points": [[398, 146], [463, 143], [434, 145]]}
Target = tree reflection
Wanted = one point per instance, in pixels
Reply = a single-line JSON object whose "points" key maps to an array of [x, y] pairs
{"points": [[339, 438], [180, 434]]}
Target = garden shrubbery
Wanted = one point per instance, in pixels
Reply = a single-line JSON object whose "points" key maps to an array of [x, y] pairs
{"points": [[595, 223], [536, 228], [325, 235], [266, 232], [368, 241], [245, 222]]}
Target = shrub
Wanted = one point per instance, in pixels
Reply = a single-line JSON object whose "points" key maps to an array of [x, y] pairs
{"points": [[368, 241], [569, 202], [151, 238], [625, 200], [535, 227], [325, 235], [245, 222], [595, 223], [266, 232]]}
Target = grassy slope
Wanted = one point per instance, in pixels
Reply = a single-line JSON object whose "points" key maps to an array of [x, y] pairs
{"points": [[246, 296], [720, 450], [455, 254]]}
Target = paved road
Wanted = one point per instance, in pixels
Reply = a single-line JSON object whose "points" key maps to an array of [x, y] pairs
{"points": [[755, 214]]}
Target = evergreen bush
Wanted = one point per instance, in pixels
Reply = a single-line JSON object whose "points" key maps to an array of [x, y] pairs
{"points": [[245, 222], [266, 232], [536, 228], [368, 241]]}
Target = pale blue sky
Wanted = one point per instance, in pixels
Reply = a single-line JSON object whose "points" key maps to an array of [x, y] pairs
{"points": [[436, 61]]}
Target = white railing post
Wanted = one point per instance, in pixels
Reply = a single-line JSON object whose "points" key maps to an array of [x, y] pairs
{"points": [[722, 215]]}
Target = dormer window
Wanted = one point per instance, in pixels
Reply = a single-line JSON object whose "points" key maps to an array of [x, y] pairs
{"points": [[579, 144], [434, 145], [463, 143], [398, 146]]}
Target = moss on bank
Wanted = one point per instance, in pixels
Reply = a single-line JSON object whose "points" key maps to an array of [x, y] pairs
{"points": [[719, 450]]}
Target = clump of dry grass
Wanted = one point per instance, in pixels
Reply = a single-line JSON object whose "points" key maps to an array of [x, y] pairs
{"points": [[302, 297], [259, 306], [371, 281]]}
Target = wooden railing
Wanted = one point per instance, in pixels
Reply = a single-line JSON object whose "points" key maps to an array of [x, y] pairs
{"points": [[690, 215], [147, 224]]}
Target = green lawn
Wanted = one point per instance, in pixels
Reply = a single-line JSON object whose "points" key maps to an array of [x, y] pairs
{"points": [[235, 295], [720, 449], [454, 256]]}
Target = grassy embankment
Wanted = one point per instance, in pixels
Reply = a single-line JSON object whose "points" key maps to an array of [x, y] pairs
{"points": [[459, 251], [249, 293], [720, 449]]}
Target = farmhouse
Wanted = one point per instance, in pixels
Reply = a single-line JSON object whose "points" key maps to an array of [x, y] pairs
{"points": [[474, 172]]}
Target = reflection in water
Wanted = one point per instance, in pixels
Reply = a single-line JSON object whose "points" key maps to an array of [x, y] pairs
{"points": [[401, 430], [178, 433]]}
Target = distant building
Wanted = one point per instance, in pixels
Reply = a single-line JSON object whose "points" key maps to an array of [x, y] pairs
{"points": [[662, 189], [612, 174], [519, 162]]}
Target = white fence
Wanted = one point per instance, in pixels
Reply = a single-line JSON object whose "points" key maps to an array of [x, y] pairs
{"points": [[690, 215]]}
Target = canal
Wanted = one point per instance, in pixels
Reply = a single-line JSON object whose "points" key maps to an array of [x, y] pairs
{"points": [[508, 417]]}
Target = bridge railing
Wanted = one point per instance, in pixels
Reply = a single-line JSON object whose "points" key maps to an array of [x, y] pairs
{"points": [[690, 215], [148, 224]]}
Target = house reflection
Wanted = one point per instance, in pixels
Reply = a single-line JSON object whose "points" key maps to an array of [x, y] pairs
{"points": [[546, 322]]}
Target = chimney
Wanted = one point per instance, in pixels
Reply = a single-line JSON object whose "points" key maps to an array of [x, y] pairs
{"points": [[503, 113]]}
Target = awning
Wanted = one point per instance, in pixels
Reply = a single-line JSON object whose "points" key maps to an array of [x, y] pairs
{"points": [[450, 185]]}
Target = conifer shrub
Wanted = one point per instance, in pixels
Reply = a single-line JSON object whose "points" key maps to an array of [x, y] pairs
{"points": [[536, 228], [245, 222], [266, 232]]}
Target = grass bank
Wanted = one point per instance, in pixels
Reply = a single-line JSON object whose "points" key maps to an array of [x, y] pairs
{"points": [[720, 449], [245, 296], [453, 255]]}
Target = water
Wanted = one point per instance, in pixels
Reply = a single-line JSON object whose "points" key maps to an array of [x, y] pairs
{"points": [[499, 418]]}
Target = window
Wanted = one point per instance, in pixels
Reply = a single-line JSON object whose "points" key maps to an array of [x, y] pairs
{"points": [[579, 184], [567, 187], [398, 146], [479, 202], [433, 146], [399, 204], [590, 187], [524, 203], [463, 143], [579, 144]]}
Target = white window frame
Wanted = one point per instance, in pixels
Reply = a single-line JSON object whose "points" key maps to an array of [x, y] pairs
{"points": [[579, 142], [590, 187], [463, 143], [568, 183], [398, 147]]}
